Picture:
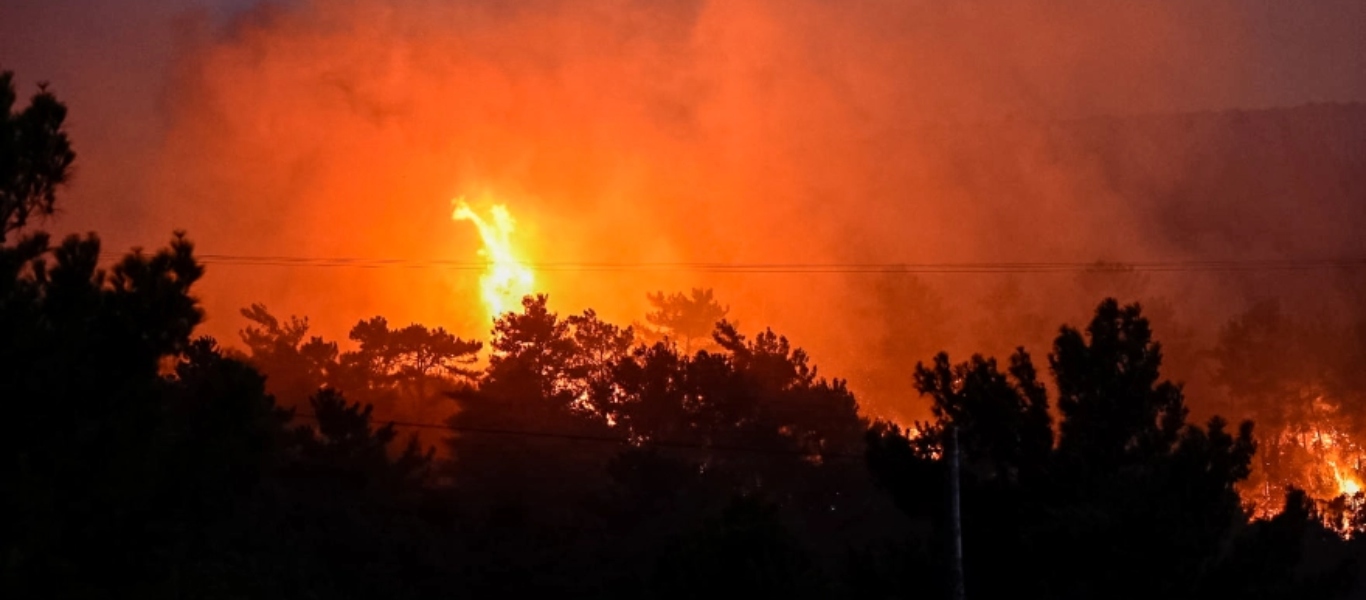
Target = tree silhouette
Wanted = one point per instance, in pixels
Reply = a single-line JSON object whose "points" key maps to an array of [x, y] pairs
{"points": [[746, 546], [409, 361], [538, 380], [110, 464], [138, 460], [404, 371], [1291, 555], [297, 367], [343, 442], [1127, 474], [35, 156], [1002, 419], [686, 318], [1114, 408]]}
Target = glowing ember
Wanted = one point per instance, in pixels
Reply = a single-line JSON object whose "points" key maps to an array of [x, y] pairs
{"points": [[508, 278], [1347, 484]]}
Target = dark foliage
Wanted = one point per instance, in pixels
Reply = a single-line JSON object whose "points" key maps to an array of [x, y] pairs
{"points": [[35, 156], [140, 461], [686, 319], [1129, 491]]}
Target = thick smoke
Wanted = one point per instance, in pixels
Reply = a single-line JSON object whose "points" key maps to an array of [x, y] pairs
{"points": [[743, 132]]}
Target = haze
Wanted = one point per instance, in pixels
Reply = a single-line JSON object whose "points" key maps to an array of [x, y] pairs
{"points": [[784, 131]]}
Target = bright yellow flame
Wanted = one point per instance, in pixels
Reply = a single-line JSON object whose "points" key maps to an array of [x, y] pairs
{"points": [[1347, 484], [507, 278]]}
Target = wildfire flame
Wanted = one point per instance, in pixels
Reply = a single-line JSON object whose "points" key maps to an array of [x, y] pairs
{"points": [[1319, 458], [1337, 453], [507, 278], [1347, 484]]}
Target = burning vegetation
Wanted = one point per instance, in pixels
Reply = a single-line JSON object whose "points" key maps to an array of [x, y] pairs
{"points": [[1003, 406], [508, 279], [1295, 379]]}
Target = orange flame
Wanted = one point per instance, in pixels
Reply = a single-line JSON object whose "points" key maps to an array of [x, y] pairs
{"points": [[1315, 456], [1347, 483], [507, 278]]}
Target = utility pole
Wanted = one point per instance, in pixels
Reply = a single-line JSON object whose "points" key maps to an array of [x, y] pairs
{"points": [[955, 518]]}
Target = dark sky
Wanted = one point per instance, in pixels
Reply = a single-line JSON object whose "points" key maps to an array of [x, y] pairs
{"points": [[109, 56], [1300, 51]]}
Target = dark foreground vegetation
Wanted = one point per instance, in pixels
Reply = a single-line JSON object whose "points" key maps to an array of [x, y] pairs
{"points": [[583, 458]]}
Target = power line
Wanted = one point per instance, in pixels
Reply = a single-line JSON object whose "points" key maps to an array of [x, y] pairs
{"points": [[1238, 265], [600, 439]]}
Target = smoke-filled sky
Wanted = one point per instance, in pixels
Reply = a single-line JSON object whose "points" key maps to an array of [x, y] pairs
{"points": [[764, 131]]}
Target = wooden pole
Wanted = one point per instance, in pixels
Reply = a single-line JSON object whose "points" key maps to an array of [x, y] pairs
{"points": [[955, 518]]}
